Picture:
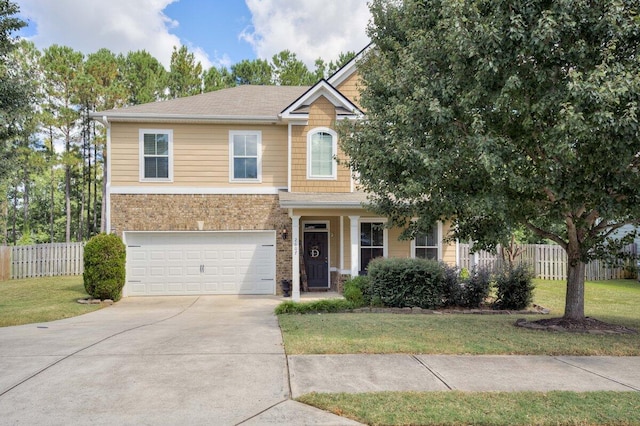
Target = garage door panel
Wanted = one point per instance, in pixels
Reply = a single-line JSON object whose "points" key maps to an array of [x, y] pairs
{"points": [[200, 263], [211, 255]]}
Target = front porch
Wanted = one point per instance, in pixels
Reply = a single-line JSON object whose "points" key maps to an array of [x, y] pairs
{"points": [[334, 236]]}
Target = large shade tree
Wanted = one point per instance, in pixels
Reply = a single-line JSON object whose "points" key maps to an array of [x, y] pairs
{"points": [[499, 113]]}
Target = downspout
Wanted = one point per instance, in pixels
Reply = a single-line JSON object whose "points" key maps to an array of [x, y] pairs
{"points": [[289, 147], [107, 178]]}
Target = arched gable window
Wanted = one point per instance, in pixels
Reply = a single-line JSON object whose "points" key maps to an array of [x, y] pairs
{"points": [[322, 145]]}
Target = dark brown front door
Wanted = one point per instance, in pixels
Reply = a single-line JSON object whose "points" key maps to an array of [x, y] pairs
{"points": [[316, 259]]}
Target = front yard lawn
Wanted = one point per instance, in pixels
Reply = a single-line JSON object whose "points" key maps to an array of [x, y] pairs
{"points": [[610, 301], [483, 408], [36, 300]]}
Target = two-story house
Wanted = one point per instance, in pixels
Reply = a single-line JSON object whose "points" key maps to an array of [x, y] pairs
{"points": [[230, 192]]}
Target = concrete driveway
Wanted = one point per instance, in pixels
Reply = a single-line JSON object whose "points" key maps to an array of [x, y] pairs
{"points": [[170, 360]]}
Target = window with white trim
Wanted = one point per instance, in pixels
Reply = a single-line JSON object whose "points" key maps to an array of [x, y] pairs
{"points": [[371, 242], [155, 155], [426, 244], [322, 144], [245, 156]]}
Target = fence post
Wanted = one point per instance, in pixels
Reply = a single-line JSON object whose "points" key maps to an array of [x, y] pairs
{"points": [[5, 263]]}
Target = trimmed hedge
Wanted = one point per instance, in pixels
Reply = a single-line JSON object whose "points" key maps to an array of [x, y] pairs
{"points": [[104, 267], [400, 283], [318, 306]]}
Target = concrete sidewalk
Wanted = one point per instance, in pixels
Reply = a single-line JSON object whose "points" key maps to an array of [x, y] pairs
{"points": [[377, 373]]}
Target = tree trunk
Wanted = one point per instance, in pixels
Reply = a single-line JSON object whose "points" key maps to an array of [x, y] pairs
{"points": [[574, 301]]}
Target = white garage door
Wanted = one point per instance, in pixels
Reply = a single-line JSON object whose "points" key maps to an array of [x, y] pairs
{"points": [[182, 263]]}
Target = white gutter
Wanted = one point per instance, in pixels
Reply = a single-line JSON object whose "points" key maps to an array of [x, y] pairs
{"points": [[188, 117], [320, 205], [107, 166]]}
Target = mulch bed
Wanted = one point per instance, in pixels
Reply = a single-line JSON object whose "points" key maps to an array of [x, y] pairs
{"points": [[587, 325]]}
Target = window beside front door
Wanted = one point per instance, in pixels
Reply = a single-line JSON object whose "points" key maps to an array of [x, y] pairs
{"points": [[155, 155], [322, 145], [244, 152], [371, 242], [426, 244]]}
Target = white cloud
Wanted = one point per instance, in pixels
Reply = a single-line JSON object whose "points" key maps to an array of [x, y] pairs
{"points": [[311, 29], [118, 25]]}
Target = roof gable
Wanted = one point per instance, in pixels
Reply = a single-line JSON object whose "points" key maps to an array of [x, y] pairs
{"points": [[338, 77], [299, 109]]}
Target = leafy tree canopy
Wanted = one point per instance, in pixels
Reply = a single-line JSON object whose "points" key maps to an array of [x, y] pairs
{"points": [[495, 113], [185, 75], [256, 72]]}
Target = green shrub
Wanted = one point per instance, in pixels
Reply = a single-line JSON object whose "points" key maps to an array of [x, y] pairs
{"points": [[104, 267], [318, 306], [630, 270], [452, 285], [400, 283], [357, 291], [514, 288], [475, 289]]}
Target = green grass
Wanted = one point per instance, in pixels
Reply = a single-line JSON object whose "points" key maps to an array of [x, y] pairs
{"points": [[37, 300], [483, 408], [611, 301]]}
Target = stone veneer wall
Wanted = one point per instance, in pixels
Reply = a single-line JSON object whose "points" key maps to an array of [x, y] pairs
{"points": [[155, 212]]}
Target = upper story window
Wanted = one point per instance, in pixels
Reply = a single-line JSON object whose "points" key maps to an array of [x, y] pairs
{"points": [[322, 145], [245, 149], [426, 244], [156, 163]]}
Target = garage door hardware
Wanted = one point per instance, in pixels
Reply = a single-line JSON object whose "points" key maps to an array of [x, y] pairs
{"points": [[201, 268]]}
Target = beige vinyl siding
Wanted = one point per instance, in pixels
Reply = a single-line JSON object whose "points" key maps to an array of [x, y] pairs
{"points": [[448, 249], [398, 248], [200, 154], [322, 114], [350, 88]]}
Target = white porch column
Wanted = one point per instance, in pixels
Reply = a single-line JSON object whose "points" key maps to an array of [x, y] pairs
{"points": [[295, 258], [355, 252]]}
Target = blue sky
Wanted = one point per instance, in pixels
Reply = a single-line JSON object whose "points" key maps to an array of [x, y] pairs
{"points": [[218, 32]]}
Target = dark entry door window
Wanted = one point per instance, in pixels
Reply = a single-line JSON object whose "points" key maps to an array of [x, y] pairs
{"points": [[371, 243], [316, 259]]}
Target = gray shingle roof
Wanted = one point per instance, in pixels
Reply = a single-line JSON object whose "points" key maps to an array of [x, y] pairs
{"points": [[241, 102], [322, 199]]}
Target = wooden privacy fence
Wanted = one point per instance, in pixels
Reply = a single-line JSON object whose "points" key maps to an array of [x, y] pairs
{"points": [[5, 263], [548, 262], [47, 260]]}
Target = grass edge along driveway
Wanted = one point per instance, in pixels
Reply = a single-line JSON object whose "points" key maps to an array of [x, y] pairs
{"points": [[37, 300]]}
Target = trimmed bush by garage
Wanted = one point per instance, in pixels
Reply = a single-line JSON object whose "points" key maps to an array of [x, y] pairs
{"points": [[104, 267]]}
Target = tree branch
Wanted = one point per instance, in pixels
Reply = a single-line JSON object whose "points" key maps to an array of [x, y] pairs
{"points": [[547, 234]]}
